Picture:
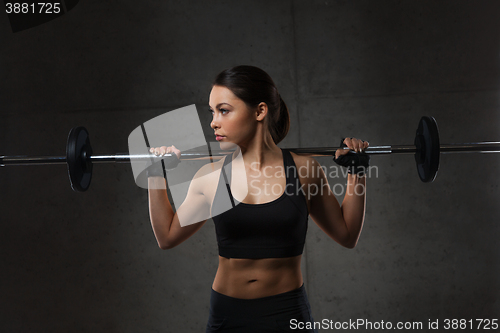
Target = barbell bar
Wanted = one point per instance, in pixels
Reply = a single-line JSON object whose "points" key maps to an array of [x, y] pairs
{"points": [[79, 157]]}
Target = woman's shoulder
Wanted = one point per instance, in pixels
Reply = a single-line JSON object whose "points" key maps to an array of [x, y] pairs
{"points": [[209, 168], [207, 176], [306, 163], [303, 160]]}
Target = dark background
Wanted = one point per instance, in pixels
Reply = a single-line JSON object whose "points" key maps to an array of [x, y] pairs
{"points": [[89, 262]]}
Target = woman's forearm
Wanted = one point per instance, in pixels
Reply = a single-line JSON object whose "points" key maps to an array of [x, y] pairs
{"points": [[160, 210], [353, 207]]}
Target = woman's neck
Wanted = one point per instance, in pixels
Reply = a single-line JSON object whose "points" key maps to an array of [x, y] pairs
{"points": [[260, 150]]}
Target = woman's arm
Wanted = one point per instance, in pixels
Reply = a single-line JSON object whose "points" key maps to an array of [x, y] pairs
{"points": [[353, 207], [342, 223], [171, 228]]}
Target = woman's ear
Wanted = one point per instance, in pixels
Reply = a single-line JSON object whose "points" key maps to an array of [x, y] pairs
{"points": [[261, 111]]}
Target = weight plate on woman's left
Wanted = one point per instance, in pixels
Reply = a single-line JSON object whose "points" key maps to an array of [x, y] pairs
{"points": [[428, 149]]}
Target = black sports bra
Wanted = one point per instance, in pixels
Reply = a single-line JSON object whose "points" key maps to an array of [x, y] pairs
{"points": [[275, 229]]}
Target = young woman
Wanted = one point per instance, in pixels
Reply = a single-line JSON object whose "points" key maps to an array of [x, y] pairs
{"points": [[258, 286]]}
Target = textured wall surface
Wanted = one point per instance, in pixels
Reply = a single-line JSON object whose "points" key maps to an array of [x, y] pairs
{"points": [[73, 262]]}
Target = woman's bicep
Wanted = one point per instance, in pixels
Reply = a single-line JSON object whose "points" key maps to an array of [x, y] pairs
{"points": [[190, 216]]}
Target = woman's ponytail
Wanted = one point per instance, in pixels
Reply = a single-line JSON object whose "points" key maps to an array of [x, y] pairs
{"points": [[280, 124]]}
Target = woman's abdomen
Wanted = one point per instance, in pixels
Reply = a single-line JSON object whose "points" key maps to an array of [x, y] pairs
{"points": [[256, 278]]}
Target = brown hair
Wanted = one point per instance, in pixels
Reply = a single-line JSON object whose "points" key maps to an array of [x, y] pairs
{"points": [[253, 85]]}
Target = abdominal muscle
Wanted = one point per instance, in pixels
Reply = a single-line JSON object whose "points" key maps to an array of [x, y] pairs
{"points": [[256, 278]]}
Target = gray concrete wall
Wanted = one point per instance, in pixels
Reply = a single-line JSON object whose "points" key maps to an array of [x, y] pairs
{"points": [[73, 262]]}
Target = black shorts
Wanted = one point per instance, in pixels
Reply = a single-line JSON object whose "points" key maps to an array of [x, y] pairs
{"points": [[284, 312]]}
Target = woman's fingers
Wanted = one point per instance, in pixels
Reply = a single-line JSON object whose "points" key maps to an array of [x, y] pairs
{"points": [[160, 151], [354, 144]]}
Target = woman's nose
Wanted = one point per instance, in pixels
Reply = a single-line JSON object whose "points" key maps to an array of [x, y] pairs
{"points": [[214, 124]]}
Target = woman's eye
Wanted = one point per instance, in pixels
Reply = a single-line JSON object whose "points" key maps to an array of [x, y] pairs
{"points": [[223, 111]]}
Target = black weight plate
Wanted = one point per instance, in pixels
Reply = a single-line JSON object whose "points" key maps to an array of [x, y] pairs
{"points": [[78, 152], [427, 143]]}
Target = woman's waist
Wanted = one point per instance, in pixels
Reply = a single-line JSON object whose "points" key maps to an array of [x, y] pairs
{"points": [[292, 302], [253, 278]]}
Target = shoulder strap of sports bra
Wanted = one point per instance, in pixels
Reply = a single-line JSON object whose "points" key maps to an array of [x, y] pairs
{"points": [[226, 173], [292, 178], [290, 168]]}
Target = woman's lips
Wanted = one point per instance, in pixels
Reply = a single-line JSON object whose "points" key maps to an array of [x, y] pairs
{"points": [[219, 137]]}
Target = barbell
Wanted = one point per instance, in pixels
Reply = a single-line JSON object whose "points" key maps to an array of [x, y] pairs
{"points": [[79, 157]]}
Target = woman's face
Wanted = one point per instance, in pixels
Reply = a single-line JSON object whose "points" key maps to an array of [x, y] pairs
{"points": [[232, 121]]}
